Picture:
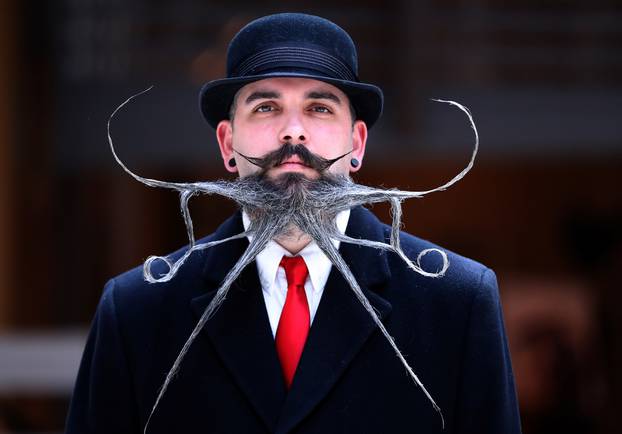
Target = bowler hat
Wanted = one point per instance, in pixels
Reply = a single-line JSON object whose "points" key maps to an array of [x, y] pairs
{"points": [[291, 45]]}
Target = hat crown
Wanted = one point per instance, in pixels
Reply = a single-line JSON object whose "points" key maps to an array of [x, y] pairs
{"points": [[291, 45], [270, 41]]}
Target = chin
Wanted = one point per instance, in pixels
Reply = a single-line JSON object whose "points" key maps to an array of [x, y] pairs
{"points": [[290, 180]]}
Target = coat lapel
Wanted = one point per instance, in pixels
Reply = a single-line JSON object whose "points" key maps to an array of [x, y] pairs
{"points": [[240, 331], [241, 334], [341, 326]]}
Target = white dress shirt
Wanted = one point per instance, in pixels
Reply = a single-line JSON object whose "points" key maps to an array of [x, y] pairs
{"points": [[274, 282]]}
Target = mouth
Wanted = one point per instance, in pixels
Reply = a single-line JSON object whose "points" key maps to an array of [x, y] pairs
{"points": [[292, 162]]}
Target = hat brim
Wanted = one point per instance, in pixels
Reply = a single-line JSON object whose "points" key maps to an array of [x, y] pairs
{"points": [[216, 96]]}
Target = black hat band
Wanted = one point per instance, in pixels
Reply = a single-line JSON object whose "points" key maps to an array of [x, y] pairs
{"points": [[292, 57]]}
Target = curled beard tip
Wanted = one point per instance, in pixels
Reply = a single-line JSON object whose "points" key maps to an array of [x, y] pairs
{"points": [[147, 181], [148, 274], [380, 195], [415, 266], [182, 187], [444, 258], [173, 267]]}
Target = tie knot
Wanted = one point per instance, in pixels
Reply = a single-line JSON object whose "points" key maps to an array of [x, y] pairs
{"points": [[295, 270]]}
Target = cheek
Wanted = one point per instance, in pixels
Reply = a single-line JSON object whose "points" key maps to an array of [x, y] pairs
{"points": [[333, 138], [341, 167], [343, 146], [256, 141]]}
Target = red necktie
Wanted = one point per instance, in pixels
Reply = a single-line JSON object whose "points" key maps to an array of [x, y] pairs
{"points": [[293, 328]]}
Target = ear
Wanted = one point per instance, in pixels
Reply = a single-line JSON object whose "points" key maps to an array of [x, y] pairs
{"points": [[224, 135], [359, 140]]}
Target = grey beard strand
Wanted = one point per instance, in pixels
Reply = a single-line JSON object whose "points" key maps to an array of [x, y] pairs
{"points": [[266, 231], [313, 213], [323, 240]]}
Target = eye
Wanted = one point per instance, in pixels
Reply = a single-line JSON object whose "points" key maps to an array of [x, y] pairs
{"points": [[320, 109], [264, 108]]}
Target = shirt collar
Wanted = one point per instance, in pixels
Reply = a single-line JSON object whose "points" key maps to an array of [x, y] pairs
{"points": [[317, 262]]}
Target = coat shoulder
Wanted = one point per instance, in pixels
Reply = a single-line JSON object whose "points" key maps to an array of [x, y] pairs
{"points": [[464, 279]]}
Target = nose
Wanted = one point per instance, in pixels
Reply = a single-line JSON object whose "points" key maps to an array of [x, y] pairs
{"points": [[293, 131]]}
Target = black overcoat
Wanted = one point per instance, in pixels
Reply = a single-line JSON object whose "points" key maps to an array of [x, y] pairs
{"points": [[348, 381]]}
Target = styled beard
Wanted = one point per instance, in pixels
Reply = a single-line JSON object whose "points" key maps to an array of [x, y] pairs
{"points": [[293, 200], [290, 197]]}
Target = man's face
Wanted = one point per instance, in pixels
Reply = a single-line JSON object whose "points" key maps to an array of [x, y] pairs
{"points": [[270, 112]]}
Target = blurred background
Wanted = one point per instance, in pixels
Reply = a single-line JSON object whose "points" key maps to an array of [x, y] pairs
{"points": [[542, 206]]}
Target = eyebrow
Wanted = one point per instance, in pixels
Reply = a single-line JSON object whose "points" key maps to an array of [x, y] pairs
{"points": [[324, 95], [268, 94], [262, 94]]}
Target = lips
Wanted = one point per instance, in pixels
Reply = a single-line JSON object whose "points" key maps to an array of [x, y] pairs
{"points": [[293, 161]]}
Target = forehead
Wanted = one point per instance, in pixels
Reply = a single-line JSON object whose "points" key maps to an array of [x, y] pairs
{"points": [[290, 86]]}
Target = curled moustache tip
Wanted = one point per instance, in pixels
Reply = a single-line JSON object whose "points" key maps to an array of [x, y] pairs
{"points": [[440, 273], [148, 274]]}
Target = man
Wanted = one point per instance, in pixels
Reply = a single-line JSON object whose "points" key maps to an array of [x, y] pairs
{"points": [[291, 348]]}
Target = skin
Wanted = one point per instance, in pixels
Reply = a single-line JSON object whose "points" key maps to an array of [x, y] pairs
{"points": [[273, 111]]}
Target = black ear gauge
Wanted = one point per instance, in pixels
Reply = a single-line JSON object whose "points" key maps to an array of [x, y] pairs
{"points": [[232, 162], [354, 162]]}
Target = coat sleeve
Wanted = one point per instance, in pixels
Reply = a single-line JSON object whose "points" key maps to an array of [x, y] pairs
{"points": [[487, 401], [103, 399]]}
